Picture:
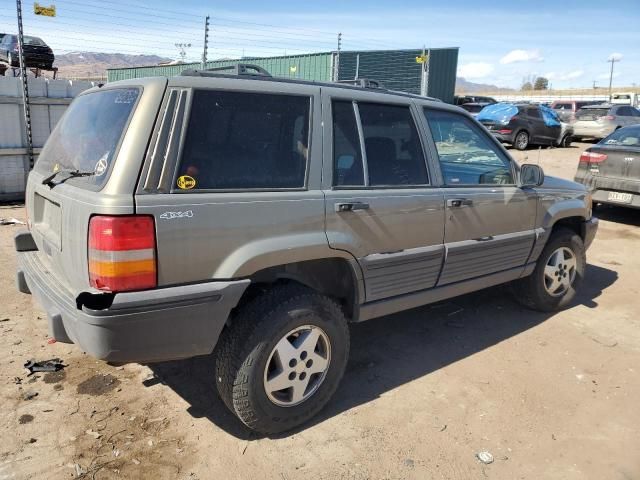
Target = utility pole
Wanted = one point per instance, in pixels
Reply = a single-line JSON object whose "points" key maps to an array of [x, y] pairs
{"points": [[612, 59], [182, 50], [25, 85], [206, 42], [336, 65]]}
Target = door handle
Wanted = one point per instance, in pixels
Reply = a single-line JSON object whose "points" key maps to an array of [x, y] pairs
{"points": [[351, 206], [459, 202]]}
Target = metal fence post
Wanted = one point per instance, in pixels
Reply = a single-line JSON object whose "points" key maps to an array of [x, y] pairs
{"points": [[25, 85]]}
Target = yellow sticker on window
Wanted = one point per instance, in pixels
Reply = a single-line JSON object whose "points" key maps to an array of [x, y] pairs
{"points": [[185, 182]]}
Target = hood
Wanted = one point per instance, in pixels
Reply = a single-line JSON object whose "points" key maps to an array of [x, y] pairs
{"points": [[556, 183]]}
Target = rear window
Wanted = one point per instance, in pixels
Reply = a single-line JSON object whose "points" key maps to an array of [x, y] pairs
{"points": [[591, 113], [35, 41], [88, 136], [245, 141], [626, 137]]}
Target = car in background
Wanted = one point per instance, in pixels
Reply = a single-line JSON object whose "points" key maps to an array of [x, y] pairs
{"points": [[474, 108], [598, 121], [566, 109], [2, 35], [611, 168], [463, 99], [524, 124], [37, 54], [627, 98]]}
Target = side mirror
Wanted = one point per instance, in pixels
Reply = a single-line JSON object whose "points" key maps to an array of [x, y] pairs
{"points": [[531, 175]]}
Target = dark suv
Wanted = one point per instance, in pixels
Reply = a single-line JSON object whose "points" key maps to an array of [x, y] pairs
{"points": [[37, 54], [525, 124], [462, 99]]}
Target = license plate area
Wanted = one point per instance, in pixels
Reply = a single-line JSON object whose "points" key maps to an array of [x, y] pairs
{"points": [[47, 219], [620, 197]]}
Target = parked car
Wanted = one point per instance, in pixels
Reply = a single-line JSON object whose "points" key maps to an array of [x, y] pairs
{"points": [[462, 99], [524, 124], [598, 121], [611, 168], [474, 108], [37, 54], [627, 98], [2, 36], [566, 109], [259, 216]]}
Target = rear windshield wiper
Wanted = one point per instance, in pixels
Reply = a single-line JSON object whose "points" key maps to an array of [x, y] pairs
{"points": [[70, 174]]}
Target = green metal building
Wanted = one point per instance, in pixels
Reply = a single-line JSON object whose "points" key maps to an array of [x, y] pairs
{"points": [[433, 74]]}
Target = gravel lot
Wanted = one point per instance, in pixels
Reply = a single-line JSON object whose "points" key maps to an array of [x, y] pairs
{"points": [[549, 396]]}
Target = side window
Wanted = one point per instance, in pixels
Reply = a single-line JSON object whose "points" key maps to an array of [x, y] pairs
{"points": [[238, 140], [393, 149], [625, 111], [467, 155], [347, 154], [534, 112]]}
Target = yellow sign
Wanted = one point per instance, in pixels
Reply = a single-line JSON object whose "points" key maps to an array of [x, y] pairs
{"points": [[422, 58], [49, 11], [293, 68], [185, 182]]}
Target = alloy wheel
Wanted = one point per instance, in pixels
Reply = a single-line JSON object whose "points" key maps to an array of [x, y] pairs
{"points": [[560, 272], [297, 366]]}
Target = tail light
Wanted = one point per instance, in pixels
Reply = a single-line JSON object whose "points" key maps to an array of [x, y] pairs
{"points": [[592, 157], [608, 117], [122, 253], [505, 131]]}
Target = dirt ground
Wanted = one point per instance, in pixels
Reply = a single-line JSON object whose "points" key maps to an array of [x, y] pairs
{"points": [[549, 396]]}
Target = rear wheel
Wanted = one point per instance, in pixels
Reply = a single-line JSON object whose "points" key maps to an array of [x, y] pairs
{"points": [[558, 274], [521, 142], [283, 358]]}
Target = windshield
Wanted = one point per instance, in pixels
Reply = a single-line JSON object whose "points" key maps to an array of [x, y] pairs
{"points": [[88, 135], [628, 137]]}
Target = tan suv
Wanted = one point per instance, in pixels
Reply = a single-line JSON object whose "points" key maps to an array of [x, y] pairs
{"points": [[169, 217]]}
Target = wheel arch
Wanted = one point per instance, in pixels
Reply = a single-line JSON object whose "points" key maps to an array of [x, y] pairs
{"points": [[337, 277]]}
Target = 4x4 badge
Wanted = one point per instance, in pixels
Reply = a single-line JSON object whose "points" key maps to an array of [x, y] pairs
{"points": [[172, 215], [185, 182]]}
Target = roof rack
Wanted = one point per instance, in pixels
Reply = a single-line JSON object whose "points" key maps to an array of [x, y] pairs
{"points": [[238, 69], [362, 83]]}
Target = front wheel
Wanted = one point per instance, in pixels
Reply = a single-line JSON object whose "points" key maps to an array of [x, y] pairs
{"points": [[566, 141], [282, 359], [521, 142], [558, 273]]}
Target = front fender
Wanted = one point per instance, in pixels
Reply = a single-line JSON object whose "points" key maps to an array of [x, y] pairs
{"points": [[558, 209]]}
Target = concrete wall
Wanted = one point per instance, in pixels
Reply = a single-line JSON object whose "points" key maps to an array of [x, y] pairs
{"points": [[49, 100]]}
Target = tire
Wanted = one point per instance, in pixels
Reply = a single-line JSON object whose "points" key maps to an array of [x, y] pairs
{"points": [[534, 290], [284, 319], [566, 141], [521, 140]]}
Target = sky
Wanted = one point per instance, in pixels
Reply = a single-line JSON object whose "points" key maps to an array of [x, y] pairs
{"points": [[501, 43]]}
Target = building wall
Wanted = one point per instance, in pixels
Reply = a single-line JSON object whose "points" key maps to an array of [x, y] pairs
{"points": [[315, 66], [395, 69]]}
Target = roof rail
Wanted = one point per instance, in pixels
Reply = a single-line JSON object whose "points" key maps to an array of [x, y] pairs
{"points": [[362, 82], [237, 69]]}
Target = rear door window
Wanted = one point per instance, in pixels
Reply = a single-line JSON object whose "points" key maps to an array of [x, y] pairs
{"points": [[347, 154], [238, 140], [393, 149], [467, 155], [625, 111], [88, 136]]}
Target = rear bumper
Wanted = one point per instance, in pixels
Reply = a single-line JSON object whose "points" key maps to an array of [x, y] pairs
{"points": [[602, 196], [595, 131], [154, 325], [504, 138]]}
